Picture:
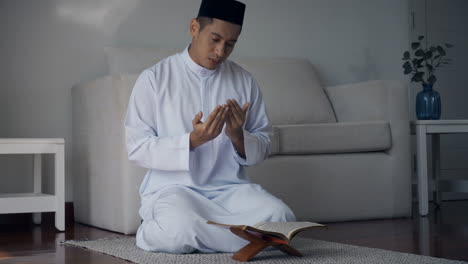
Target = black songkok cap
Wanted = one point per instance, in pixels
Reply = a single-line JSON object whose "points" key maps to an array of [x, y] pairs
{"points": [[228, 10]]}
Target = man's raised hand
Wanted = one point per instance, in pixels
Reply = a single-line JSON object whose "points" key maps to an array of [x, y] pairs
{"points": [[235, 120], [210, 129]]}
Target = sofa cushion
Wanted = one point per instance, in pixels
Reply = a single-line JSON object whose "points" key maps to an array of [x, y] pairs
{"points": [[134, 60], [333, 138], [290, 87], [291, 90]]}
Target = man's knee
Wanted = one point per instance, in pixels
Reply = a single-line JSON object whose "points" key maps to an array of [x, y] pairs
{"points": [[169, 223], [282, 212], [168, 238], [175, 220], [275, 207]]}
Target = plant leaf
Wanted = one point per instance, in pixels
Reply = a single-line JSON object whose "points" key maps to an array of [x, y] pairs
{"points": [[419, 53], [429, 67], [448, 45], [406, 55], [417, 77], [407, 67], [418, 63], [415, 45], [432, 79], [428, 55], [441, 51], [420, 38]]}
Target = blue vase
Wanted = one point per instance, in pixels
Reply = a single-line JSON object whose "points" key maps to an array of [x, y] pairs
{"points": [[428, 104]]}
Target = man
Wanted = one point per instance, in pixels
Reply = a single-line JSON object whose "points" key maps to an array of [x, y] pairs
{"points": [[185, 124]]}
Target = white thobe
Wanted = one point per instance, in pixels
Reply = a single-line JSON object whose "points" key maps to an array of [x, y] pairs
{"points": [[184, 188]]}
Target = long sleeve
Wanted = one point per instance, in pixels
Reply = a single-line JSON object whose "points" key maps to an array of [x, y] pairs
{"points": [[144, 147], [257, 130]]}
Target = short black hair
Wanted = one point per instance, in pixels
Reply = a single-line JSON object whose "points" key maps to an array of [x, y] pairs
{"points": [[204, 21]]}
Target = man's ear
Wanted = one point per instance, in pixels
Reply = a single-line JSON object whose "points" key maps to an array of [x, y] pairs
{"points": [[194, 27]]}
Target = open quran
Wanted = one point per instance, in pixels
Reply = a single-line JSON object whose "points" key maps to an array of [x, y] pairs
{"points": [[283, 231]]}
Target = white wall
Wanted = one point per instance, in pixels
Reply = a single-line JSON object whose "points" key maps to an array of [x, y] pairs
{"points": [[47, 46]]}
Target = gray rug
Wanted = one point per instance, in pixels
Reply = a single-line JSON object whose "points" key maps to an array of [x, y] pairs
{"points": [[314, 251]]}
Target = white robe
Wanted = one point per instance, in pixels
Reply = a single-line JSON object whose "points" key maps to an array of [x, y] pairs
{"points": [[184, 188]]}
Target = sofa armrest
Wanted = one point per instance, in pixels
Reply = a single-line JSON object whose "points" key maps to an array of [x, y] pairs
{"points": [[371, 100], [377, 100], [105, 183], [386, 101]]}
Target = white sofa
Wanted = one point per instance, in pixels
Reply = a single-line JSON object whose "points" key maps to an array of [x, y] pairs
{"points": [[339, 153]]}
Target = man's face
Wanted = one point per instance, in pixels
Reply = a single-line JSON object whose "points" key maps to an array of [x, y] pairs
{"points": [[214, 43]]}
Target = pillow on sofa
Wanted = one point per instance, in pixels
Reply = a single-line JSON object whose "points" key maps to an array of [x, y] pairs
{"points": [[343, 137], [291, 90], [134, 60]]}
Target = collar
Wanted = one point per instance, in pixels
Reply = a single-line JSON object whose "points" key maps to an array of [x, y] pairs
{"points": [[194, 67]]}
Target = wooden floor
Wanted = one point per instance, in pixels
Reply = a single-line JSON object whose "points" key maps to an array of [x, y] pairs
{"points": [[444, 234]]}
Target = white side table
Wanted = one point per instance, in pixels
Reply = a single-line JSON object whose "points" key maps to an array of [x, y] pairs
{"points": [[37, 202], [435, 127]]}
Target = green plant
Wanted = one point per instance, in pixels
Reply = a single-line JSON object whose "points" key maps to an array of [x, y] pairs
{"points": [[425, 62]]}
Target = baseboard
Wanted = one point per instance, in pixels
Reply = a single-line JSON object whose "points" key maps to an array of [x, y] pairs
{"points": [[48, 219]]}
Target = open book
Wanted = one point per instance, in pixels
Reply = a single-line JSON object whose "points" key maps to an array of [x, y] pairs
{"points": [[284, 231]]}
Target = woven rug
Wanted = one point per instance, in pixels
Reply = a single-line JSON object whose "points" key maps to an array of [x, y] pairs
{"points": [[314, 251]]}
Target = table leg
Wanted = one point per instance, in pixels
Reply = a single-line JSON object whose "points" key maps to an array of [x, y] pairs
{"points": [[60, 188], [60, 256], [424, 236], [37, 174], [436, 167], [421, 149]]}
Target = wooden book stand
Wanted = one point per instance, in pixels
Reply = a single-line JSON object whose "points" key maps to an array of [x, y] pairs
{"points": [[258, 244]]}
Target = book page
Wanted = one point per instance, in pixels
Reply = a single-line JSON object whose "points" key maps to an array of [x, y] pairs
{"points": [[227, 226], [285, 228], [253, 232]]}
